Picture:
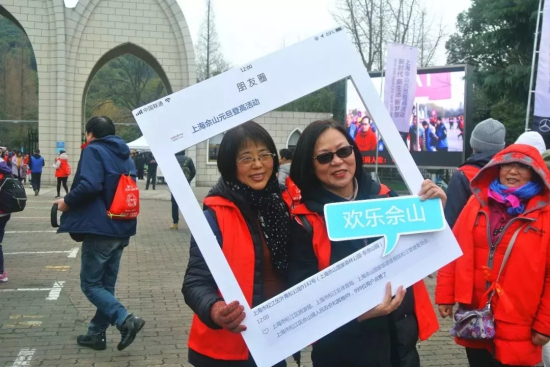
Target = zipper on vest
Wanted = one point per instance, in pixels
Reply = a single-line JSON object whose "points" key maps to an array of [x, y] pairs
{"points": [[493, 247]]}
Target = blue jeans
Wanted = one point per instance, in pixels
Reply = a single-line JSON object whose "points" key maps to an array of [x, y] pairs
{"points": [[98, 274]]}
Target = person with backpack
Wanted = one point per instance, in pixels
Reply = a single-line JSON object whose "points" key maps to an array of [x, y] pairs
{"points": [[188, 168], [62, 172], [13, 199], [88, 217], [5, 172], [36, 163], [488, 138], [250, 221], [328, 168]]}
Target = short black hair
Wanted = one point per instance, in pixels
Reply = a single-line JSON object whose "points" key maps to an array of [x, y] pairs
{"points": [[237, 138], [302, 171], [424, 123], [100, 127], [286, 154]]}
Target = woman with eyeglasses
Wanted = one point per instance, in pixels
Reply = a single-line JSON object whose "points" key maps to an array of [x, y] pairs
{"points": [[508, 212], [251, 222], [327, 167]]}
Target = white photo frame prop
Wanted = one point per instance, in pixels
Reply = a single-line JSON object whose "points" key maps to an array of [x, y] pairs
{"points": [[302, 314]]}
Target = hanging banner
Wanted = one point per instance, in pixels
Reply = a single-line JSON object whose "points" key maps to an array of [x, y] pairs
{"points": [[541, 119], [400, 84]]}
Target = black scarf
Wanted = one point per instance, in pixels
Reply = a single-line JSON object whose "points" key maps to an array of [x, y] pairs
{"points": [[273, 217]]}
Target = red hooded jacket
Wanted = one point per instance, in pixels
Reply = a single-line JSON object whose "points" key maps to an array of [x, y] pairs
{"points": [[522, 303]]}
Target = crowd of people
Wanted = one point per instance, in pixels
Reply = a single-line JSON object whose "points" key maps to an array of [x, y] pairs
{"points": [[498, 207], [23, 166], [267, 214], [429, 135]]}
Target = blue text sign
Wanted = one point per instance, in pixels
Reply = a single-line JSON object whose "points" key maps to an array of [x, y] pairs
{"points": [[388, 218]]}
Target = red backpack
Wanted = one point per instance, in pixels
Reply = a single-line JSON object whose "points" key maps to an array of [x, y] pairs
{"points": [[125, 205]]}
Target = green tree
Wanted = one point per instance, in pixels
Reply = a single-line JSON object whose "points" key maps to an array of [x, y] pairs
{"points": [[497, 36], [127, 82], [210, 60], [18, 76]]}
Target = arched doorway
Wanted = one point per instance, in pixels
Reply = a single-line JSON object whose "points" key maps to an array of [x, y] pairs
{"points": [[293, 139], [123, 79], [18, 86]]}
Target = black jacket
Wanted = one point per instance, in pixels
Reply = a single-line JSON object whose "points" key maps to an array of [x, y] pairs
{"points": [[388, 341], [199, 288], [459, 187], [140, 161]]}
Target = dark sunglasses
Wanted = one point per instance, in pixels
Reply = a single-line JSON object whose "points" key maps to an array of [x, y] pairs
{"points": [[327, 157]]}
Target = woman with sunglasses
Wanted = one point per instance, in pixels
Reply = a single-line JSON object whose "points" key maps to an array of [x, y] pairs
{"points": [[251, 222], [508, 211], [327, 167]]}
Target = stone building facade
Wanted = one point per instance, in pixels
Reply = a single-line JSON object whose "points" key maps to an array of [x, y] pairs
{"points": [[284, 127], [71, 45]]}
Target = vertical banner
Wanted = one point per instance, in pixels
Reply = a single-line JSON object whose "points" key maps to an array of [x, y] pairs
{"points": [[400, 85], [541, 119]]}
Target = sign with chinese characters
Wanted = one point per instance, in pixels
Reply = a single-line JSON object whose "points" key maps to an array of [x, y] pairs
{"points": [[317, 306], [59, 146], [541, 118], [400, 84], [389, 218]]}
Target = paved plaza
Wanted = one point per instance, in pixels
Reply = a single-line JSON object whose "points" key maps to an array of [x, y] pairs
{"points": [[42, 309]]}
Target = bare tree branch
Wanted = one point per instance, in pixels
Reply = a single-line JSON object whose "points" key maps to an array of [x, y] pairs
{"points": [[374, 23]]}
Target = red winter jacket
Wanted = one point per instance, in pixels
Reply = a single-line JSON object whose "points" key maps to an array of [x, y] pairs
{"points": [[523, 301]]}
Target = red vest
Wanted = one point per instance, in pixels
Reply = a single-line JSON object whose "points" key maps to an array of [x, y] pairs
{"points": [[424, 311], [292, 195], [469, 171], [238, 249], [64, 169]]}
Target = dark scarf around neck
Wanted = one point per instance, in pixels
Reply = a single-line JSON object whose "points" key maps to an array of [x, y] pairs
{"points": [[272, 215]]}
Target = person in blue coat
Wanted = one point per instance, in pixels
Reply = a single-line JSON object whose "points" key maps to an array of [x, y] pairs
{"points": [[441, 132], [35, 165], [102, 162]]}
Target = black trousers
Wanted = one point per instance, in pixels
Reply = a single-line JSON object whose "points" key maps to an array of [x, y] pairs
{"points": [[483, 358], [62, 180], [3, 221], [35, 180], [140, 173], [151, 177], [175, 211]]}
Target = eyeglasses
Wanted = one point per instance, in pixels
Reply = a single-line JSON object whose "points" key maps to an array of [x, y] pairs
{"points": [[520, 167], [325, 158], [263, 158]]}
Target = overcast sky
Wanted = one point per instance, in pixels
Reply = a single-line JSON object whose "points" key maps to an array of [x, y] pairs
{"points": [[249, 29]]}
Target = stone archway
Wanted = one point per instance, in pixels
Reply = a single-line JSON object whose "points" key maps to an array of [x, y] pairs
{"points": [[131, 49], [22, 98], [69, 43]]}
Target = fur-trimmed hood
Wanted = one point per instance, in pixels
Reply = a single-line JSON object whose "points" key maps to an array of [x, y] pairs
{"points": [[520, 153]]}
